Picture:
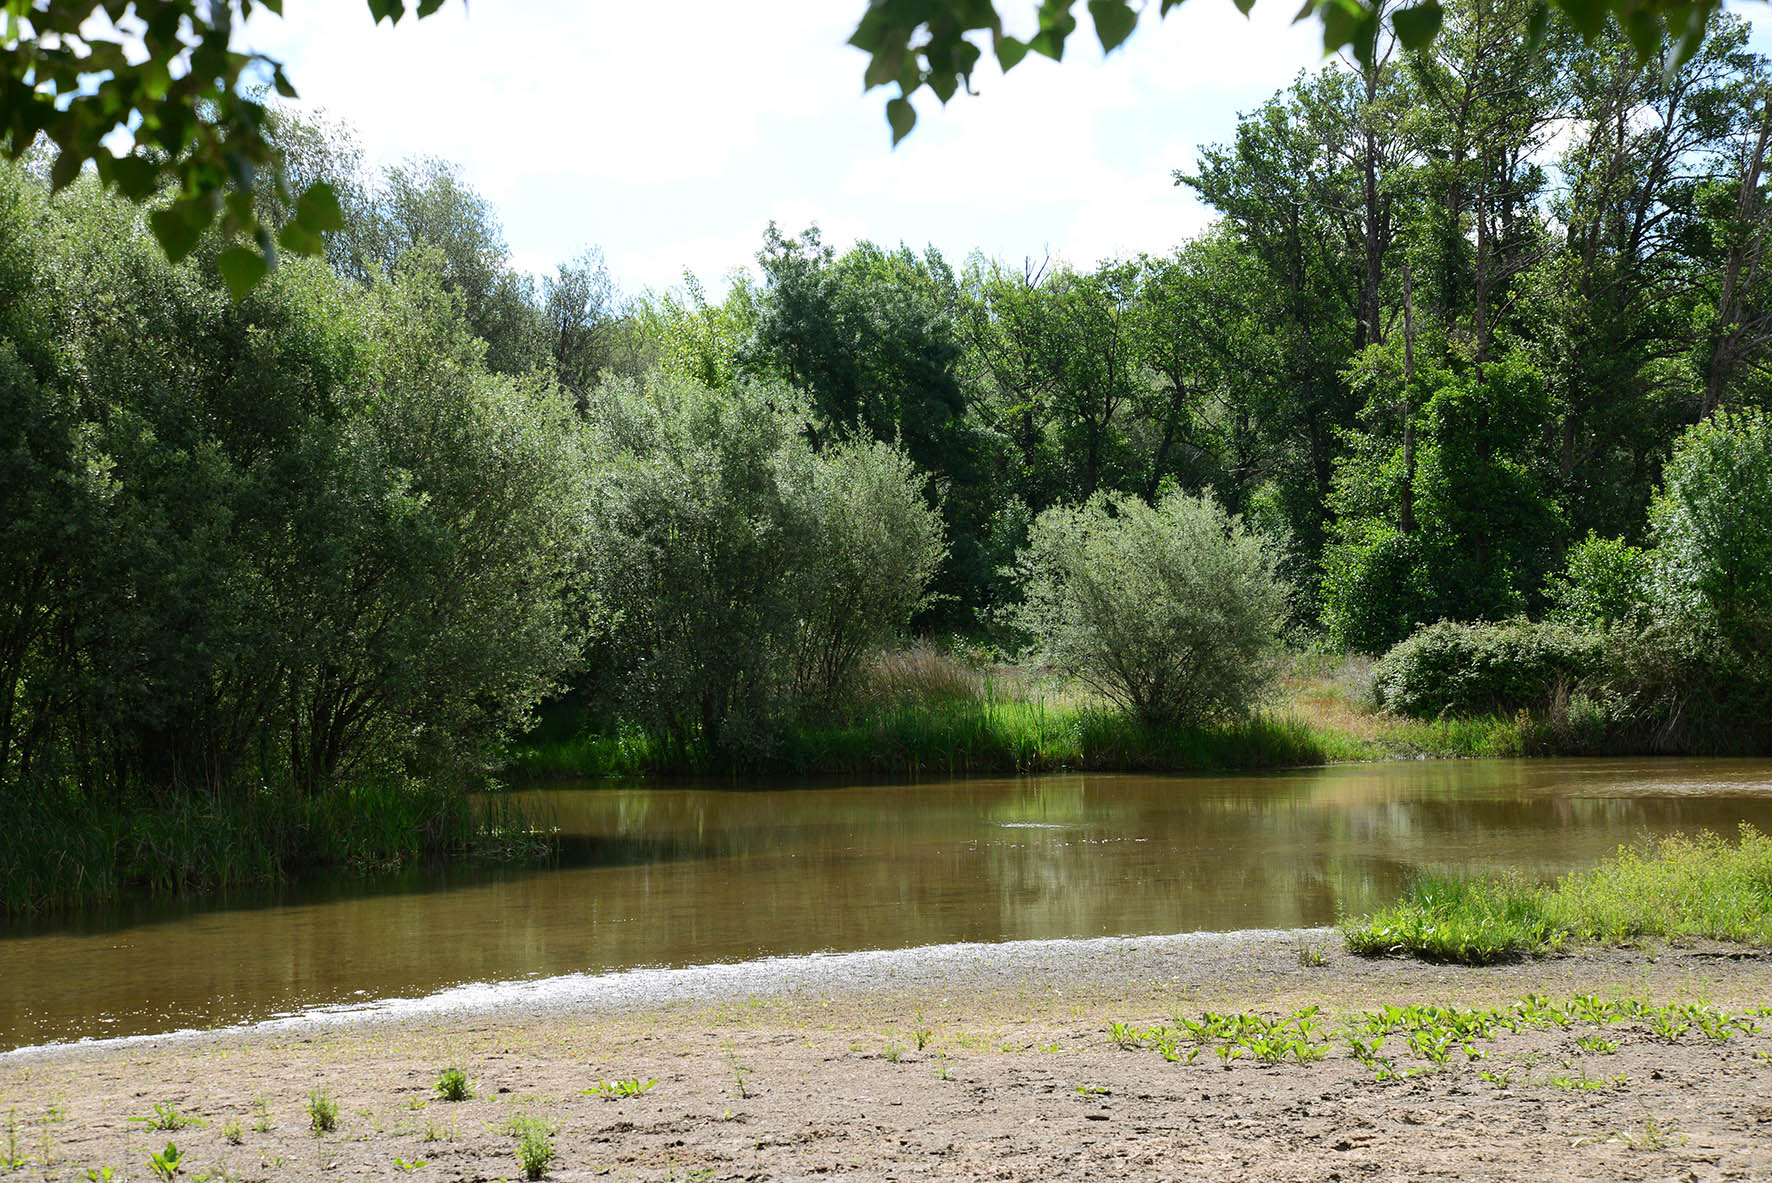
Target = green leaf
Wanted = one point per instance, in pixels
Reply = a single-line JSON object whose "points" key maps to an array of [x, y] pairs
{"points": [[1588, 16], [134, 177], [298, 240], [1010, 52], [242, 268], [65, 169], [1538, 25], [1417, 24], [1114, 22], [179, 226], [317, 209], [902, 116]]}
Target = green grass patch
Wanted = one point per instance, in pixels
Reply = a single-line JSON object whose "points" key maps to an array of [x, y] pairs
{"points": [[964, 736], [1679, 888]]}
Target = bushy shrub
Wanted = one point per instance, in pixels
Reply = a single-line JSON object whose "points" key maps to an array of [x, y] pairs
{"points": [[1603, 582], [1711, 569], [304, 541], [1476, 669], [1171, 611], [743, 573]]}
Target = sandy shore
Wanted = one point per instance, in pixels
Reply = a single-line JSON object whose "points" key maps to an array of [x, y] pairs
{"points": [[811, 1067]]}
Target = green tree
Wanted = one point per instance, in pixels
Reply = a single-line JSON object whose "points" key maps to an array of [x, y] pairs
{"points": [[744, 574], [1711, 566], [1171, 611], [1483, 520]]}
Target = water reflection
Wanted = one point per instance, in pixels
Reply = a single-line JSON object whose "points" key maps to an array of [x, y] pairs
{"points": [[682, 876]]}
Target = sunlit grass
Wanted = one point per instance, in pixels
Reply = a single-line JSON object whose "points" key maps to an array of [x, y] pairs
{"points": [[1679, 888], [970, 736]]}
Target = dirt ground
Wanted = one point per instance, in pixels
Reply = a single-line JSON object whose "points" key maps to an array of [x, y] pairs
{"points": [[1017, 1077]]}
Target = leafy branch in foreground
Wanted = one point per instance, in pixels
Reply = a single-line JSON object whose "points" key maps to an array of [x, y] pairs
{"points": [[167, 74], [918, 43]]}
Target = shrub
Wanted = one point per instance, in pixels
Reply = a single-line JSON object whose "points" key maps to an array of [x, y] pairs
{"points": [[1603, 582], [1476, 669], [741, 571], [872, 545], [1171, 611], [1711, 569]]}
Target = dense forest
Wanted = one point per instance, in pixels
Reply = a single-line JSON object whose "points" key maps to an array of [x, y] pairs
{"points": [[1479, 335]]}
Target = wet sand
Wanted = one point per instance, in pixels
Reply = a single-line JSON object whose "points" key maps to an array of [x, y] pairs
{"points": [[811, 1067]]}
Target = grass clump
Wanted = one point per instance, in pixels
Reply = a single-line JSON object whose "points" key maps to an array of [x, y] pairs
{"points": [[453, 1085], [1679, 888], [322, 1112], [535, 1145]]}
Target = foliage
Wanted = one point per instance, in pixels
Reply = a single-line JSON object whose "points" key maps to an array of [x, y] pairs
{"points": [[1711, 568], [535, 1145], [1479, 669], [452, 1085], [289, 547], [743, 569], [1603, 583], [1681, 887], [322, 1111], [918, 43], [1170, 610], [1480, 520]]}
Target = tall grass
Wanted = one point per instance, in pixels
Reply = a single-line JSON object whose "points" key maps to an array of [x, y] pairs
{"points": [[1679, 888], [922, 712]]}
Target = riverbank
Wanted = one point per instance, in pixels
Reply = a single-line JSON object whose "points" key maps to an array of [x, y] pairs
{"points": [[966, 1062], [949, 720]]}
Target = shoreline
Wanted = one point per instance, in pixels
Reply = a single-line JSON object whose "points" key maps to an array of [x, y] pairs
{"points": [[947, 1061]]}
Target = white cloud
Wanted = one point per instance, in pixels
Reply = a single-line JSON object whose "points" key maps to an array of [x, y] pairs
{"points": [[671, 133]]}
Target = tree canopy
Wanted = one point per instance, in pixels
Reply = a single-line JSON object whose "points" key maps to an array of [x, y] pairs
{"points": [[169, 74]]}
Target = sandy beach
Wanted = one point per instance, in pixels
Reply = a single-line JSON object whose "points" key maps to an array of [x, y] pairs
{"points": [[975, 1062]]}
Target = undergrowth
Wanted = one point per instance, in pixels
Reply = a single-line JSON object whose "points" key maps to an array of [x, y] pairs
{"points": [[1679, 888]]}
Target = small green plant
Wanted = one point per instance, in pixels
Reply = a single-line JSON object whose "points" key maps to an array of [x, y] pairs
{"points": [[261, 1114], [922, 1033], [100, 1174], [322, 1111], [453, 1085], [166, 1163], [1652, 1135], [1598, 1045], [166, 1117], [740, 1072], [941, 1069], [1129, 1038], [408, 1164], [233, 1131], [893, 1052], [1667, 1024], [1500, 1077], [1093, 1090], [14, 1156], [535, 1145], [632, 1087], [1313, 956]]}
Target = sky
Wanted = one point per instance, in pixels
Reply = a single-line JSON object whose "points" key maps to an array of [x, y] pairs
{"points": [[669, 134]]}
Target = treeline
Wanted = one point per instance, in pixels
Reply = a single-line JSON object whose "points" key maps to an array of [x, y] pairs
{"points": [[281, 579]]}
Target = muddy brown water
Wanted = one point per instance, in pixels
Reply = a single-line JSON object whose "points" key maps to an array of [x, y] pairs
{"points": [[689, 876]]}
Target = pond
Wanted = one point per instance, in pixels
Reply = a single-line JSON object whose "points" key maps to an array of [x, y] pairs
{"points": [[688, 876]]}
